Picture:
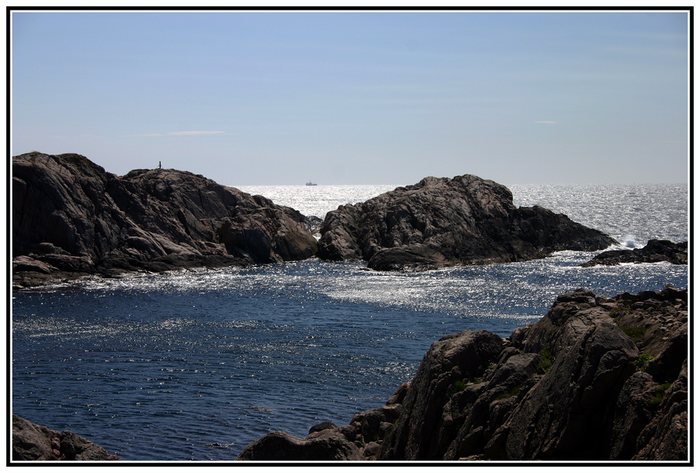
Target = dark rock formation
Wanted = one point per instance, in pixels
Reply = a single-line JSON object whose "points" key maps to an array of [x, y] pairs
{"points": [[360, 440], [441, 222], [654, 252], [328, 444], [595, 379], [313, 224], [36, 442], [440, 375], [71, 217]]}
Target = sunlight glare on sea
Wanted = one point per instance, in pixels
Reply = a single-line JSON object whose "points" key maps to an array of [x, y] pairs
{"points": [[195, 364]]}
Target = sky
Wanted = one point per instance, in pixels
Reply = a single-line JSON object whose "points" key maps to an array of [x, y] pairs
{"points": [[281, 97]]}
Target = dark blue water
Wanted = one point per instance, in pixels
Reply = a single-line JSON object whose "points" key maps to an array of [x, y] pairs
{"points": [[195, 365]]}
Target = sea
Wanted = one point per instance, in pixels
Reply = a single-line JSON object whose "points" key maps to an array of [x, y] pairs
{"points": [[194, 365]]}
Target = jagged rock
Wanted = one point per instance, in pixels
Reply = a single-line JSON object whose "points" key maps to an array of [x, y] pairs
{"points": [[442, 222], [594, 379], [313, 224], [655, 251], [25, 263], [36, 442], [450, 362], [328, 444], [481, 408], [322, 426], [666, 436], [399, 395], [71, 217], [632, 414], [590, 359]]}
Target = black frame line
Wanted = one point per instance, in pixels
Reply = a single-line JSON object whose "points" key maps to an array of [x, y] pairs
{"points": [[373, 9]]}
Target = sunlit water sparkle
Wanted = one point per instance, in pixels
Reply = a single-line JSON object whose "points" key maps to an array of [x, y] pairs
{"points": [[196, 364]]}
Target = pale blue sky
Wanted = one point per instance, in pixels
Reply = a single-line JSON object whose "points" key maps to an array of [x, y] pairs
{"points": [[358, 97]]}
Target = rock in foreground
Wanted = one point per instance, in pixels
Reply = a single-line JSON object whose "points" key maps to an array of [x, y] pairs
{"points": [[36, 442], [595, 379], [441, 222], [655, 251], [70, 217]]}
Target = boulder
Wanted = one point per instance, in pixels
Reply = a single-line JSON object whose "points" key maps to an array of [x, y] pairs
{"points": [[594, 379], [328, 445], [440, 222], [655, 251], [70, 216], [31, 442]]}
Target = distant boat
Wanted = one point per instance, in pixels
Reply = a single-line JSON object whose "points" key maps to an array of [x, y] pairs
{"points": [[311, 183]]}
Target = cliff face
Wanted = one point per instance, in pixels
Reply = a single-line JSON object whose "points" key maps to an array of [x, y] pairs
{"points": [[70, 216], [595, 379], [441, 222]]}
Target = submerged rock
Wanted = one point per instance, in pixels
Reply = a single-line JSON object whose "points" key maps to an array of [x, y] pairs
{"points": [[595, 379], [441, 222], [655, 251], [35, 442], [71, 217]]}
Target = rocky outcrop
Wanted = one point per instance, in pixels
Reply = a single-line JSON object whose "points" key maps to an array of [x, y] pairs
{"points": [[328, 444], [70, 217], [35, 442], [441, 222], [359, 440], [595, 379], [655, 251]]}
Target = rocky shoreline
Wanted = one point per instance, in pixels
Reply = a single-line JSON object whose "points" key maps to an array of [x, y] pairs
{"points": [[71, 218], [32, 442], [444, 222], [595, 379], [655, 251]]}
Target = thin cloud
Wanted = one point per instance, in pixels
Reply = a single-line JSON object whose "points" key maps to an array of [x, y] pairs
{"points": [[546, 122], [196, 133], [182, 133]]}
